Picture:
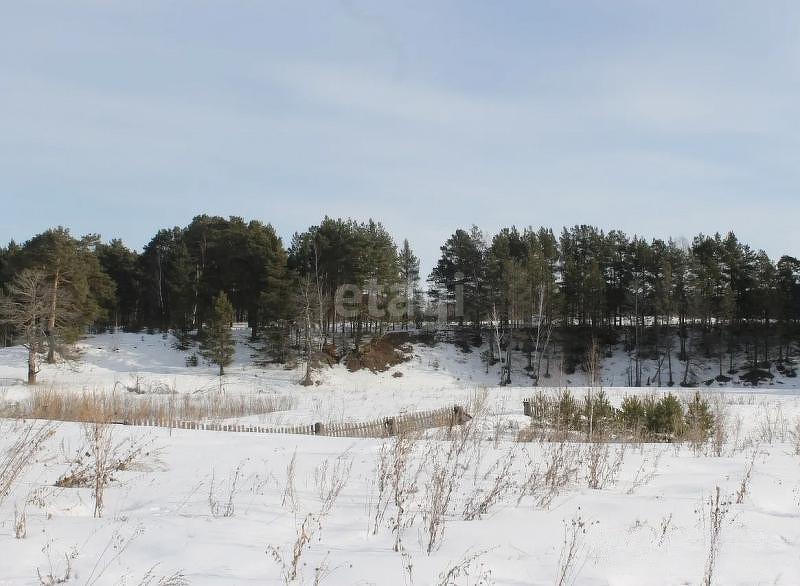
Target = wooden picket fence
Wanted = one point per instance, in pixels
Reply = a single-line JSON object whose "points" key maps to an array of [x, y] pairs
{"points": [[376, 428]]}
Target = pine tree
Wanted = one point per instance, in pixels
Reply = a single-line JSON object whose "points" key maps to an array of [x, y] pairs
{"points": [[699, 418], [122, 265], [409, 281], [462, 270], [167, 281], [218, 345], [73, 270]]}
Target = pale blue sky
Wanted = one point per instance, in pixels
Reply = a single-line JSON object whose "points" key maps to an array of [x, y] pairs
{"points": [[659, 118]]}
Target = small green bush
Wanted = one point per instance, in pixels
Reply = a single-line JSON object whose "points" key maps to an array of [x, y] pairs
{"points": [[665, 416], [699, 419], [633, 413], [599, 409], [567, 412]]}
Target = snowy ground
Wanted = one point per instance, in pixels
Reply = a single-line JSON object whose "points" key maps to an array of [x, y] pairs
{"points": [[648, 524], [434, 377]]}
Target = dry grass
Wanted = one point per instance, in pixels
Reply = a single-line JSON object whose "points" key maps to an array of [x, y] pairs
{"points": [[497, 481], [664, 529], [715, 518], [795, 436], [175, 579], [467, 567], [51, 578], [289, 491], [720, 434], [772, 424], [329, 481], [110, 554], [30, 439], [551, 473], [573, 549], [449, 459], [54, 576], [99, 458], [744, 485], [602, 468], [20, 523], [646, 472], [290, 564], [127, 454], [397, 479], [225, 507], [90, 407]]}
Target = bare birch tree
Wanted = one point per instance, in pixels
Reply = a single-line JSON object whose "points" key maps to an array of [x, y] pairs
{"points": [[306, 300]]}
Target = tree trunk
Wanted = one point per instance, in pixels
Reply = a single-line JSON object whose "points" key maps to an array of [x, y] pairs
{"points": [[686, 373], [508, 362], [546, 367], [32, 367], [682, 333], [51, 322], [669, 362]]}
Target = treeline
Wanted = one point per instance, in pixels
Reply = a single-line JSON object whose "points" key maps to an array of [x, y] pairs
{"points": [[598, 280], [173, 282], [599, 285], [582, 279]]}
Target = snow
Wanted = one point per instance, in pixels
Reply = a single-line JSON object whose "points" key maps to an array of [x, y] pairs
{"points": [[638, 530]]}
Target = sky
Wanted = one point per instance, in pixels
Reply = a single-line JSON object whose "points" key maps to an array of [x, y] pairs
{"points": [[656, 118]]}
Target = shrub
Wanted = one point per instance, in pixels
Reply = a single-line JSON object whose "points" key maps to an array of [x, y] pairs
{"points": [[756, 375], [541, 407], [699, 418], [633, 413], [597, 407], [567, 412], [665, 415]]}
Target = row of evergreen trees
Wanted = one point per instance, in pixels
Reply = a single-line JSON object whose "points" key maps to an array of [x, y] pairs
{"points": [[173, 282], [597, 279], [583, 278]]}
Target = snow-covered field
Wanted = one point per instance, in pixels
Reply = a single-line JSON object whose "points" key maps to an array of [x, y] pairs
{"points": [[176, 514]]}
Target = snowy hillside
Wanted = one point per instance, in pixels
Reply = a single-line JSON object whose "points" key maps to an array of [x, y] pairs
{"points": [[435, 376]]}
